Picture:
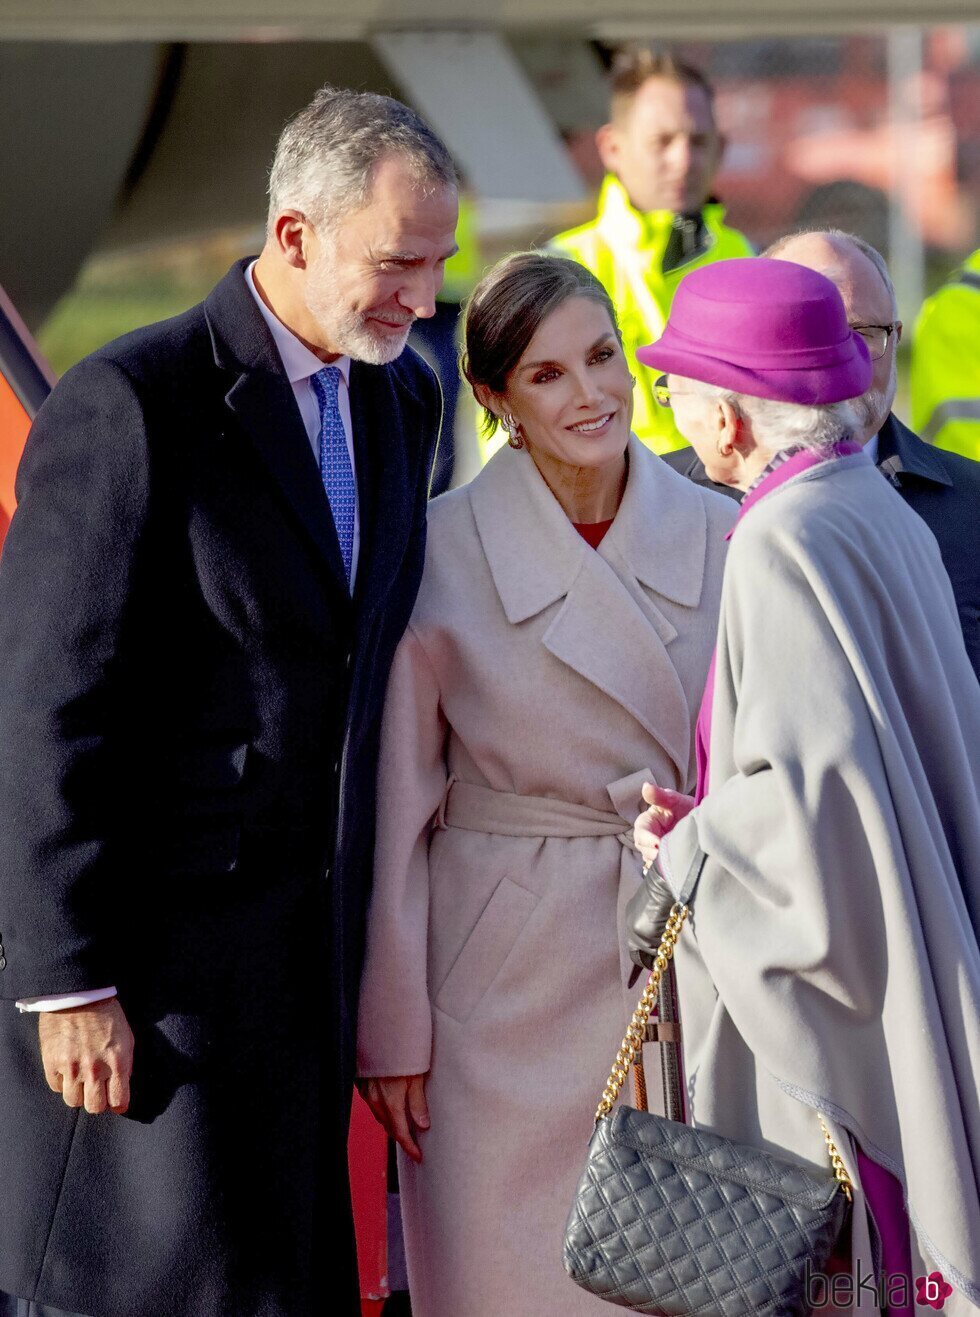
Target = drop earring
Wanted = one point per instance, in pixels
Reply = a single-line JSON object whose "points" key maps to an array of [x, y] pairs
{"points": [[514, 437]]}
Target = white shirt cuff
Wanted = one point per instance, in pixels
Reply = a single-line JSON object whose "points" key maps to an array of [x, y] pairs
{"points": [[64, 1003]]}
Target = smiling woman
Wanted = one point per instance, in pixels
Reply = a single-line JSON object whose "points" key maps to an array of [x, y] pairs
{"points": [[561, 635], [545, 359]]}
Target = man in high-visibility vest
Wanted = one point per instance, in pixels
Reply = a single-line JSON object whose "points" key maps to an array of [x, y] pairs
{"points": [[945, 380], [655, 221]]}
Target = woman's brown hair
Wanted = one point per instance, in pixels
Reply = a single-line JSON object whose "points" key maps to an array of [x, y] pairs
{"points": [[506, 309]]}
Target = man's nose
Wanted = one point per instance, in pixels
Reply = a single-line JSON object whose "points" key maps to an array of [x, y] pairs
{"points": [[680, 152], [419, 296]]}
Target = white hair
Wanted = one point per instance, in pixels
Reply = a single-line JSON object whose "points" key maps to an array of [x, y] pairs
{"points": [[327, 153], [779, 425]]}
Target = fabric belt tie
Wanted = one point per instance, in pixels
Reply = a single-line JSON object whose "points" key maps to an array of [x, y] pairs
{"points": [[480, 809]]}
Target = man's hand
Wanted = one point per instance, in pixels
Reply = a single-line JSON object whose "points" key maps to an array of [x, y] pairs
{"points": [[399, 1104], [87, 1054]]}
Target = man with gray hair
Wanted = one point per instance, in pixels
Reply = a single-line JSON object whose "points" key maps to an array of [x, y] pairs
{"points": [[943, 488], [218, 544]]}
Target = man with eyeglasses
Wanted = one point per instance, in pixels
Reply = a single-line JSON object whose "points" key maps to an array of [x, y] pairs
{"points": [[942, 487]]}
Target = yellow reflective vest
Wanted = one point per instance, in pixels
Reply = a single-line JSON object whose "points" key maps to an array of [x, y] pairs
{"points": [[945, 379], [624, 249]]}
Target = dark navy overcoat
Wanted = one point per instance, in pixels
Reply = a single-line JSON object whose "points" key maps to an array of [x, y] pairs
{"points": [[189, 708]]}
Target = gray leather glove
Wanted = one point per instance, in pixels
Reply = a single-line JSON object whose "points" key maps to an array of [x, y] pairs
{"points": [[646, 919]]}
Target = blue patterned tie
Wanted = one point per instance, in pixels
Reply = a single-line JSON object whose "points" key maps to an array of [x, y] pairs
{"points": [[336, 471]]}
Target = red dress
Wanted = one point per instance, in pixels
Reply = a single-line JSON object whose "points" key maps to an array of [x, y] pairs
{"points": [[592, 531]]}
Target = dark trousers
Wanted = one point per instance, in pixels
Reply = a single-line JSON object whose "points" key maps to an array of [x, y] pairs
{"points": [[11, 1307]]}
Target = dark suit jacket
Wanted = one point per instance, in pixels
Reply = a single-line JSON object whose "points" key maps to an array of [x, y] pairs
{"points": [[189, 713], [943, 488]]}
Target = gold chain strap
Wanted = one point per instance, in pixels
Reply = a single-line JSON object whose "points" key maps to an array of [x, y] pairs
{"points": [[632, 1043], [840, 1170], [637, 1029]]}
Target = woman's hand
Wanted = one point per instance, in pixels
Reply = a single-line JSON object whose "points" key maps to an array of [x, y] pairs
{"points": [[665, 809], [646, 918], [398, 1103]]}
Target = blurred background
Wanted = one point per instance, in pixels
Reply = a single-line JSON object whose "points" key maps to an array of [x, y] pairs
{"points": [[135, 145]]}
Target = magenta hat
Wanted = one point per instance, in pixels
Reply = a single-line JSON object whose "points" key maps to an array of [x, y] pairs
{"points": [[770, 329]]}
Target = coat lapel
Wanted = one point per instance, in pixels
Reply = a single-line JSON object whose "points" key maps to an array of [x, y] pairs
{"points": [[381, 428], [602, 633], [902, 453], [263, 403], [614, 626]]}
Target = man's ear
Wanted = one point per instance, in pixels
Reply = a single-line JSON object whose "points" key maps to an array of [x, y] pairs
{"points": [[607, 144], [292, 238]]}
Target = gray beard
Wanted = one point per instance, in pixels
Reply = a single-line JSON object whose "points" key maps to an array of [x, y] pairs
{"points": [[346, 332], [872, 408]]}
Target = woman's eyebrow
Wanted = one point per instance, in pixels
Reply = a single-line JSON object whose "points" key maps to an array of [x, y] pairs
{"points": [[536, 365]]}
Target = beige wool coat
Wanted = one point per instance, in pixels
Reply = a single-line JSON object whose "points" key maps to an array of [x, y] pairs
{"points": [[539, 683], [830, 963]]}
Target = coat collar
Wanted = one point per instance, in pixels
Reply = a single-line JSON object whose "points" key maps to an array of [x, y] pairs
{"points": [[660, 532], [535, 554], [627, 227], [902, 453], [378, 399], [263, 402], [609, 629]]}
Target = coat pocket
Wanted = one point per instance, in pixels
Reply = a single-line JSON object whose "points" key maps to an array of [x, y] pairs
{"points": [[483, 953]]}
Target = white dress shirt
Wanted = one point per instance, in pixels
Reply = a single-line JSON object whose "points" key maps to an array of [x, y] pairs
{"points": [[300, 364]]}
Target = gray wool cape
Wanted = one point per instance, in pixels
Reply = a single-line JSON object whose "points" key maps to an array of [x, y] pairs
{"points": [[830, 963]]}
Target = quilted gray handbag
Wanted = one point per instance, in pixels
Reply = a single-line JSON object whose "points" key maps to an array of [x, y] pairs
{"points": [[675, 1221]]}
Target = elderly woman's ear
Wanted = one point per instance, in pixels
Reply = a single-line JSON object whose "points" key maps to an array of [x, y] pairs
{"points": [[730, 427]]}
